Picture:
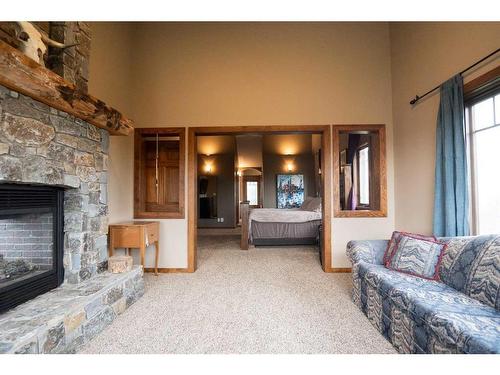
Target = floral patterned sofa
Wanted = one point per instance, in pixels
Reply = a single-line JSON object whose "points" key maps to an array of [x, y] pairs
{"points": [[460, 314]]}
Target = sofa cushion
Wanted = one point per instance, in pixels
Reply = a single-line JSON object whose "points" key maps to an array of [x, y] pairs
{"points": [[471, 265], [436, 312], [393, 243], [417, 257]]}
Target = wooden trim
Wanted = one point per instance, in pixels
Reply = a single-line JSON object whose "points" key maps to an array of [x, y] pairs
{"points": [[481, 80], [338, 270], [192, 200], [382, 212], [22, 74], [167, 270], [139, 211], [326, 188], [271, 129], [325, 130]]}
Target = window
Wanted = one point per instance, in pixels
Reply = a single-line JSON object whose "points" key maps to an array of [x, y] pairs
{"points": [[364, 175], [159, 173], [483, 124], [253, 192]]}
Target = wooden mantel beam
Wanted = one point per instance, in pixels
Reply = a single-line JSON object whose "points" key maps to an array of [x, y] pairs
{"points": [[20, 73]]}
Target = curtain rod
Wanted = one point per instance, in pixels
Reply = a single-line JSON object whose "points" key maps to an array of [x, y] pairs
{"points": [[417, 97]]}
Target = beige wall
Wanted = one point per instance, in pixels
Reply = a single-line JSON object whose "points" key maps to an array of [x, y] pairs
{"points": [[111, 81], [424, 55], [219, 74]]}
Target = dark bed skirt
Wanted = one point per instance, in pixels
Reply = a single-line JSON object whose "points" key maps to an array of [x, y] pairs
{"points": [[284, 241]]}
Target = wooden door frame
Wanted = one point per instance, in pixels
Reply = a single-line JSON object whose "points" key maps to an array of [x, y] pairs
{"points": [[326, 181]]}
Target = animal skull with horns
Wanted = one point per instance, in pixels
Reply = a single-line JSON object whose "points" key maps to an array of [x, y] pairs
{"points": [[34, 43]]}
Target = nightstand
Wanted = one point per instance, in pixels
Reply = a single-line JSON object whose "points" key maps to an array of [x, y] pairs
{"points": [[135, 235]]}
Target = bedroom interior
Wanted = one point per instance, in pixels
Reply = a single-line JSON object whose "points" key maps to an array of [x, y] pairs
{"points": [[265, 183], [249, 168], [249, 187]]}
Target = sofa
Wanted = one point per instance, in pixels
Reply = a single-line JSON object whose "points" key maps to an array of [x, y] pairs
{"points": [[458, 314]]}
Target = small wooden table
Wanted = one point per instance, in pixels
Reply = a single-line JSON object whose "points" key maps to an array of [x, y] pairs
{"points": [[135, 235]]}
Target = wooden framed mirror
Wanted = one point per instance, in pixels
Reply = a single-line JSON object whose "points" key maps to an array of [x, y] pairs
{"points": [[159, 173], [359, 171]]}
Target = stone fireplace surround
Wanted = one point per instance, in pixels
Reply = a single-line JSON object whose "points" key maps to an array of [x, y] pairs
{"points": [[41, 145]]}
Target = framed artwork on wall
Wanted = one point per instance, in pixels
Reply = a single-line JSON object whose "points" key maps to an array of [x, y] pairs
{"points": [[289, 190]]}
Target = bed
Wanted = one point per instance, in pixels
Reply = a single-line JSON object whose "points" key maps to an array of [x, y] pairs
{"points": [[280, 227]]}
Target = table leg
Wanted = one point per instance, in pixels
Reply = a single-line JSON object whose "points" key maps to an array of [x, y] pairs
{"points": [[143, 252], [110, 247], [157, 250]]}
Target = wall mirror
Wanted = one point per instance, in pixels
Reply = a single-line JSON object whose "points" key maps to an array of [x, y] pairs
{"points": [[359, 171]]}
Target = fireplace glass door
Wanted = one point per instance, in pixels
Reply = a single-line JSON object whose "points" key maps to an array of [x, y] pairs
{"points": [[30, 242], [26, 246]]}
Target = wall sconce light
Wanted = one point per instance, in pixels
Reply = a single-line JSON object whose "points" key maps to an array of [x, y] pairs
{"points": [[289, 167], [208, 168], [239, 173]]}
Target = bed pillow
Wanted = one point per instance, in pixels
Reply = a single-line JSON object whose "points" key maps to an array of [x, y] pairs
{"points": [[311, 204], [418, 257], [393, 243]]}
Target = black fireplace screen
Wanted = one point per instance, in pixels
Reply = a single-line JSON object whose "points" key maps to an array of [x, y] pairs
{"points": [[31, 242]]}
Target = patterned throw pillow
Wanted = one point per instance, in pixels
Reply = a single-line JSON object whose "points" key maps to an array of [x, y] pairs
{"points": [[393, 243], [417, 257]]}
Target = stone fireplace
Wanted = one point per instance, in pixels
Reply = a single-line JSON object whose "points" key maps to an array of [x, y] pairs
{"points": [[40, 146], [55, 291], [46, 151]]}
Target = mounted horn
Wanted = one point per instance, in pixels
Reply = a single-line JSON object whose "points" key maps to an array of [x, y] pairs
{"points": [[53, 43]]}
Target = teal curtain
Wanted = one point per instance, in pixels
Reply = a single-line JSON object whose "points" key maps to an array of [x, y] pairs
{"points": [[451, 200]]}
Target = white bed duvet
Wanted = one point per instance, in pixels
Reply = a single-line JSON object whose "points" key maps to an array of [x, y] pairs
{"points": [[281, 215]]}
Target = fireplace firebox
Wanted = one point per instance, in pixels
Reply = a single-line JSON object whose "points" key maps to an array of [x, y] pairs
{"points": [[31, 242]]}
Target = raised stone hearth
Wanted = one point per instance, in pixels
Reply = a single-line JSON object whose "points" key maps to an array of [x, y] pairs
{"points": [[64, 319]]}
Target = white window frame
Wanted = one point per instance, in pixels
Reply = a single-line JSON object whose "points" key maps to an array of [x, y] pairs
{"points": [[360, 205], [474, 218]]}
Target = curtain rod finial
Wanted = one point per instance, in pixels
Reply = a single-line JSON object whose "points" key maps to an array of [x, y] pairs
{"points": [[413, 101]]}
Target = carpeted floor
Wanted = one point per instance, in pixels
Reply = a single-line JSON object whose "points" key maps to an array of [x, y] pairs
{"points": [[264, 300]]}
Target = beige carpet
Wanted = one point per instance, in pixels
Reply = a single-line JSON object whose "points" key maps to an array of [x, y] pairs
{"points": [[265, 300]]}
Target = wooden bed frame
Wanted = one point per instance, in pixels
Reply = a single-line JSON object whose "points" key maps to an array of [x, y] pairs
{"points": [[245, 224]]}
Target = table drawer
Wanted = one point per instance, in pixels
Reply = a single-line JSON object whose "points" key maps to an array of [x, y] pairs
{"points": [[126, 237]]}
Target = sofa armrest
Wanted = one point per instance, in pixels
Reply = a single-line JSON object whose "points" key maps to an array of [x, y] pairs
{"points": [[371, 251]]}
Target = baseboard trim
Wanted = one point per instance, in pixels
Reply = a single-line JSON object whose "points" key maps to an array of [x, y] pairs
{"points": [[338, 270], [168, 270], [188, 270]]}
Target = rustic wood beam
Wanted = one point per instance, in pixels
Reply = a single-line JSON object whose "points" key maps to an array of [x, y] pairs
{"points": [[20, 73]]}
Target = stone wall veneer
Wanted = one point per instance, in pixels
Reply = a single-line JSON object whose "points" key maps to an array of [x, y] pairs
{"points": [[71, 63], [40, 145]]}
